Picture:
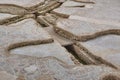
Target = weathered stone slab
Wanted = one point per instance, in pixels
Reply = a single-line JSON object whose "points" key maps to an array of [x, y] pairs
{"points": [[106, 47], [101, 10], [52, 68], [71, 7], [6, 76], [19, 7], [65, 12], [83, 58], [44, 50], [12, 9], [23, 3], [26, 32], [72, 4], [82, 30], [5, 16], [48, 6], [63, 41], [97, 21], [15, 18]]}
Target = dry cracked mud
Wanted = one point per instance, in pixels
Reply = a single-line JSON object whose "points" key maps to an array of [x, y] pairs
{"points": [[59, 40]]}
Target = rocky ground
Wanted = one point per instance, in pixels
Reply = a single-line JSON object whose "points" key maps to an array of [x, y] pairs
{"points": [[60, 40]]}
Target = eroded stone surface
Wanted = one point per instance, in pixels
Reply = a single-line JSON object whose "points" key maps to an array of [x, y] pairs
{"points": [[72, 4], [63, 41], [5, 16], [106, 47], [29, 59], [24, 3], [55, 69], [71, 7], [44, 50], [14, 18], [103, 10], [82, 30], [6, 76], [22, 33]]}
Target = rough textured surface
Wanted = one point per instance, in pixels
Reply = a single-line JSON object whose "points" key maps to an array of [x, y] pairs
{"points": [[44, 50], [33, 44], [6, 76], [4, 16], [106, 47], [61, 40], [26, 32], [24, 3], [105, 10], [72, 7], [82, 30], [53, 68]]}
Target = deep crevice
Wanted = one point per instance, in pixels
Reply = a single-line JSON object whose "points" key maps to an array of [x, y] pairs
{"points": [[71, 50]]}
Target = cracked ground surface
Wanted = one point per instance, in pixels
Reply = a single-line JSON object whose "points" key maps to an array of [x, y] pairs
{"points": [[60, 40]]}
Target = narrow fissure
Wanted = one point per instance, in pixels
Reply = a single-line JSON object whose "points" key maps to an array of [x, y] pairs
{"points": [[72, 51]]}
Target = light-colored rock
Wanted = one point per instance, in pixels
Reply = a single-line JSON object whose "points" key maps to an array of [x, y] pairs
{"points": [[31, 69], [101, 10], [23, 3], [106, 47], [12, 9], [15, 19], [65, 12], [83, 30], [71, 7], [63, 41], [26, 32], [92, 20], [44, 50], [72, 4], [6, 76], [55, 69], [5, 16]]}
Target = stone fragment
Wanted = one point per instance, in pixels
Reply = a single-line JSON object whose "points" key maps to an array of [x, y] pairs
{"points": [[6, 76], [82, 30], [31, 69], [26, 32], [12, 9], [72, 4], [5, 16], [49, 6], [52, 68], [42, 21], [107, 47], [23, 3], [44, 50], [84, 1], [83, 57], [65, 12], [15, 19], [19, 7], [63, 41], [102, 10], [97, 21], [71, 7]]}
